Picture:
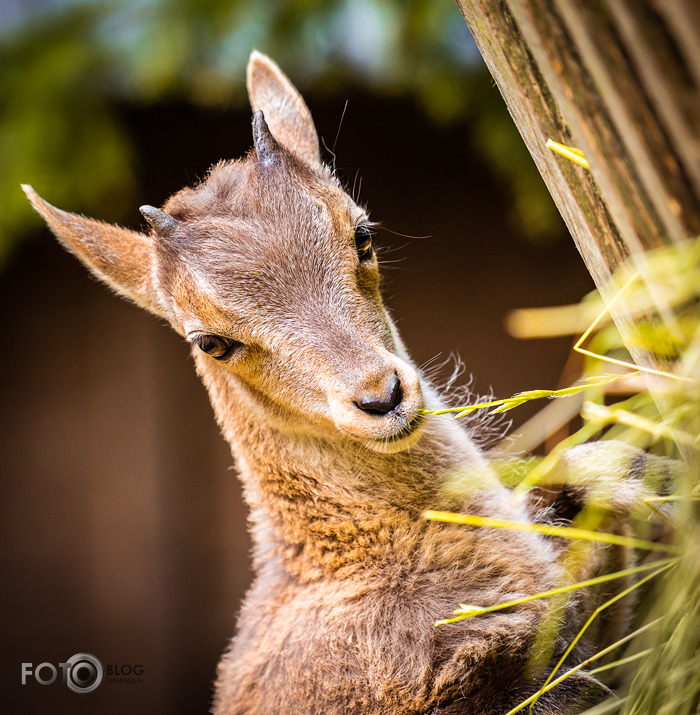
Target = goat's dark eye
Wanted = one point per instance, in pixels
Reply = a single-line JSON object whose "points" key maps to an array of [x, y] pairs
{"points": [[363, 243], [215, 345]]}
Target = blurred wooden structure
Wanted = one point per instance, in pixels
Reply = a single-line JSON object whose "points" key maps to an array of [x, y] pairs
{"points": [[620, 80]]}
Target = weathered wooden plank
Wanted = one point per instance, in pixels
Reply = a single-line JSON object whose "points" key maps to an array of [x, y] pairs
{"points": [[572, 84], [538, 116], [592, 77], [665, 77], [614, 82], [682, 18], [651, 188]]}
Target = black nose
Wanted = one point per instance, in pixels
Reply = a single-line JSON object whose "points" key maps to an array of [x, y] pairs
{"points": [[379, 402]]}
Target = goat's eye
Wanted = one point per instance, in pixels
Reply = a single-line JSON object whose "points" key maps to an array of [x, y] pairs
{"points": [[215, 345], [363, 242]]}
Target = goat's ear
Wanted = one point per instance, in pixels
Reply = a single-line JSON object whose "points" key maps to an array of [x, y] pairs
{"points": [[285, 112], [119, 257]]}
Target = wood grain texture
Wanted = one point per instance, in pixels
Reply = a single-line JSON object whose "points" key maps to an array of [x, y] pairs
{"points": [[621, 82], [618, 82]]}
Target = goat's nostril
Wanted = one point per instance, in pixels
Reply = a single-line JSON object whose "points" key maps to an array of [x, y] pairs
{"points": [[380, 403]]}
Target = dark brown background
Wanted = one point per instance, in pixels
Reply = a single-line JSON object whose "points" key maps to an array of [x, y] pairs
{"points": [[124, 531]]}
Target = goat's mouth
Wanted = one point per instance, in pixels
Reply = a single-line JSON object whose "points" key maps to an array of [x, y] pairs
{"points": [[401, 440]]}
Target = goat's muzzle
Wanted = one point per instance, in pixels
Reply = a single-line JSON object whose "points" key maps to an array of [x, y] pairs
{"points": [[380, 406]]}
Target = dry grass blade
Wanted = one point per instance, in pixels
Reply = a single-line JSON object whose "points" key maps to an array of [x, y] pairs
{"points": [[469, 611], [548, 530], [520, 398]]}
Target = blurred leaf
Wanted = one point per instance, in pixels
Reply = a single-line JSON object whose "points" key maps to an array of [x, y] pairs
{"points": [[57, 128]]}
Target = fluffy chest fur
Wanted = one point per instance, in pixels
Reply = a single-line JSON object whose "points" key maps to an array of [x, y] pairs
{"points": [[368, 643]]}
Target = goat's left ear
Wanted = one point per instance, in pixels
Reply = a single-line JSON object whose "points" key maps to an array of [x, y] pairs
{"points": [[285, 112], [117, 256]]}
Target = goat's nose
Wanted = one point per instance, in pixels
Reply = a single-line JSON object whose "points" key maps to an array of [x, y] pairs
{"points": [[382, 400]]}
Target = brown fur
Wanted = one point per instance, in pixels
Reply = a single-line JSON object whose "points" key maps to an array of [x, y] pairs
{"points": [[350, 578]]}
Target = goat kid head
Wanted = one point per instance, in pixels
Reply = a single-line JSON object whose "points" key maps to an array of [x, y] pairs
{"points": [[267, 268]]}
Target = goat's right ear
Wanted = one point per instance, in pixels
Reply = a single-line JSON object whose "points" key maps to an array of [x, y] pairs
{"points": [[119, 257], [285, 112]]}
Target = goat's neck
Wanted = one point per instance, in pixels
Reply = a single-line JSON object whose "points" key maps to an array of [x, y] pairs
{"points": [[325, 505]]}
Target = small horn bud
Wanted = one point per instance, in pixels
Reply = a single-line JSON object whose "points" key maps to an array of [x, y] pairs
{"points": [[266, 147], [163, 224]]}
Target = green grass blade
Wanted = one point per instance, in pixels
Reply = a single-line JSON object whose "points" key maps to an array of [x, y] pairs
{"points": [[548, 530]]}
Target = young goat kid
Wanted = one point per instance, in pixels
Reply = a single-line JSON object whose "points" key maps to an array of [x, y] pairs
{"points": [[267, 269]]}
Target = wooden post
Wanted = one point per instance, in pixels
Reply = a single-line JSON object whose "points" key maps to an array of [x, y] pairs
{"points": [[620, 80]]}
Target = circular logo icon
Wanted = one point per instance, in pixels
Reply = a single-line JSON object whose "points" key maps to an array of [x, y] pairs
{"points": [[85, 673]]}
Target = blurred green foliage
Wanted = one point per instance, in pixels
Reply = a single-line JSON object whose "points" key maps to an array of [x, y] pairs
{"points": [[66, 68]]}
